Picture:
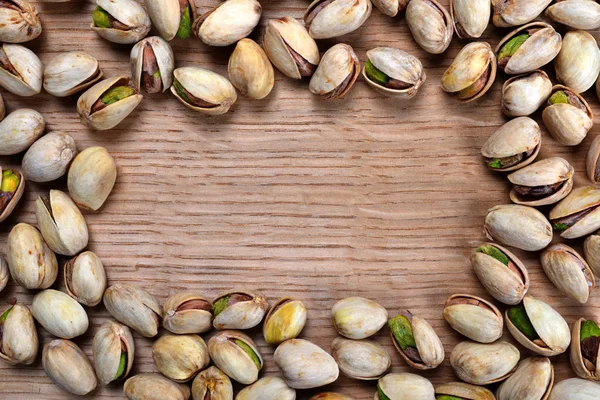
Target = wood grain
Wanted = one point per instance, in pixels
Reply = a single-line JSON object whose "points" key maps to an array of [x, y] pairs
{"points": [[290, 195]]}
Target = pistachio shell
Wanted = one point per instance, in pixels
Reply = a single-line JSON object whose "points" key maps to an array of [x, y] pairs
{"points": [[337, 72], [331, 396], [591, 248], [533, 379], [405, 387], [583, 367], [578, 62], [471, 17], [591, 164], [129, 13], [229, 22], [568, 271], [518, 136], [234, 360], [59, 314], [85, 278], [250, 71], [27, 65], [133, 307], [518, 226], [19, 130], [358, 318], [575, 389], [477, 319], [363, 359], [567, 123], [31, 262], [154, 387], [166, 16], [110, 342], [49, 157], [285, 320], [464, 391], [214, 383], [483, 364], [548, 172], [187, 313], [4, 273], [517, 12], [580, 199], [19, 22], [7, 209], [577, 14], [91, 178], [207, 86], [267, 388], [523, 94], [19, 336], [336, 18], [244, 310], [68, 367], [164, 58], [180, 357], [429, 348], [397, 65], [305, 365], [430, 25], [390, 8], [71, 72]]}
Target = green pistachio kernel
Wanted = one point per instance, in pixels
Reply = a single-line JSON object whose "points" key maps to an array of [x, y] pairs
{"points": [[402, 331], [101, 18], [5, 314], [181, 92], [495, 164], [374, 74], [518, 316], [250, 351], [382, 395], [10, 181], [559, 97], [122, 365], [589, 329], [559, 226], [511, 47], [220, 305], [115, 94], [156, 75], [185, 25], [448, 397], [493, 252]]}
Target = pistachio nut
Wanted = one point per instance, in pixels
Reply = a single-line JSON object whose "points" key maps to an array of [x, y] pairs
{"points": [[538, 327], [577, 214], [187, 313], [363, 359], [229, 22], [470, 17], [430, 24], [236, 355], [250, 71], [19, 130], [31, 262], [518, 226], [501, 273], [91, 178], [107, 103], [393, 72], [331, 396], [513, 146], [390, 8], [543, 182], [172, 17], [462, 391], [4, 273], [523, 94], [18, 336], [576, 14], [483, 364], [592, 163], [155, 387], [180, 357], [404, 386], [267, 388], [61, 223], [68, 367], [285, 320], [591, 249], [212, 384], [134, 307], [239, 310], [19, 21], [575, 389], [203, 90], [49, 157], [568, 271], [85, 278], [120, 21], [517, 12], [305, 365], [337, 72], [114, 351], [473, 317], [290, 47], [59, 314], [533, 379], [528, 48], [71, 72], [12, 185], [21, 71], [358, 318], [326, 19], [472, 72], [578, 62], [152, 65], [2, 108], [585, 343], [416, 341], [567, 116]]}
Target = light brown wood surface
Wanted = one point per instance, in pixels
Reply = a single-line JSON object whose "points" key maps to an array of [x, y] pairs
{"points": [[290, 195]]}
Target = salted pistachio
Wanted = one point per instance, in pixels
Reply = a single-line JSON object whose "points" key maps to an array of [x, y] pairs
{"points": [[363, 359], [404, 386], [567, 116], [513, 146], [538, 327], [20, 70], [518, 226], [49, 157], [430, 24], [473, 317], [416, 341], [180, 357], [484, 364], [152, 65], [12, 185], [592, 163], [578, 63], [575, 389], [85, 278], [462, 391], [285, 320], [187, 313], [390, 8], [19, 130], [472, 72], [267, 388], [576, 14], [68, 367], [250, 71], [61, 223], [2, 108], [393, 72], [577, 214], [212, 384], [202, 90], [114, 350], [305, 365], [337, 72], [470, 17], [517, 12], [172, 18], [227, 23], [326, 19], [19, 21], [568, 271], [236, 355], [528, 48], [4, 273], [120, 21], [31, 262], [591, 249], [107, 103], [239, 310], [543, 182], [331, 396], [533, 379], [59, 314], [155, 387], [358, 318], [134, 307], [585, 343], [71, 72], [290, 47], [523, 94], [18, 336], [91, 178]]}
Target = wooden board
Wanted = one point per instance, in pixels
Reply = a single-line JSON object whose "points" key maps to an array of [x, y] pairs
{"points": [[290, 195]]}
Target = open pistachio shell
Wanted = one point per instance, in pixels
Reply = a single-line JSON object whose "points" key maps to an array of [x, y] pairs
{"points": [[212, 384], [472, 72], [364, 359], [187, 313], [326, 19], [543, 182], [578, 214], [592, 164], [71, 72], [484, 364], [474, 317], [470, 17], [404, 386], [4, 273], [390, 8], [19, 22], [31, 262], [134, 307], [577, 14], [305, 365], [267, 388], [337, 72], [114, 352], [463, 391], [68, 367], [168, 17], [568, 271], [430, 24], [517, 12], [533, 379], [575, 389], [131, 22], [229, 22], [49, 157], [523, 94], [236, 355], [513, 146], [19, 130], [19, 336], [59, 314], [585, 340], [416, 341], [397, 73], [591, 248], [518, 226], [91, 178], [578, 62], [151, 57], [155, 387], [203, 90], [21, 72], [250, 71], [358, 317], [285, 320], [10, 198], [239, 310], [85, 278], [567, 116], [180, 357]]}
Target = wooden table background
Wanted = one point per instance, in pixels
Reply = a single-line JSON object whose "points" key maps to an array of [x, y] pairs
{"points": [[290, 195]]}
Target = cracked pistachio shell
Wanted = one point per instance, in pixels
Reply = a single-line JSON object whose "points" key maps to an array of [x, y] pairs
{"points": [[399, 66], [229, 22], [134, 307], [267, 388], [464, 391], [7, 209], [405, 386], [337, 72], [567, 123], [336, 18], [591, 249], [19, 22], [2, 108], [430, 24], [19, 336], [470, 17], [364, 359], [390, 8], [305, 365], [474, 62], [592, 163], [358, 318], [519, 141], [162, 58], [234, 360], [212, 383], [533, 379], [473, 317], [579, 200], [49, 157], [166, 16], [155, 387], [59, 314], [576, 14], [517, 12], [85, 278], [4, 273], [27, 65], [575, 389], [72, 72], [250, 71], [19, 130], [285, 320], [207, 86], [568, 271], [549, 325], [331, 396], [518, 226], [126, 12], [522, 95], [484, 364], [91, 178], [31, 262], [243, 310], [68, 367], [187, 313], [180, 357], [110, 342], [578, 62], [429, 346], [544, 173], [583, 367]]}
